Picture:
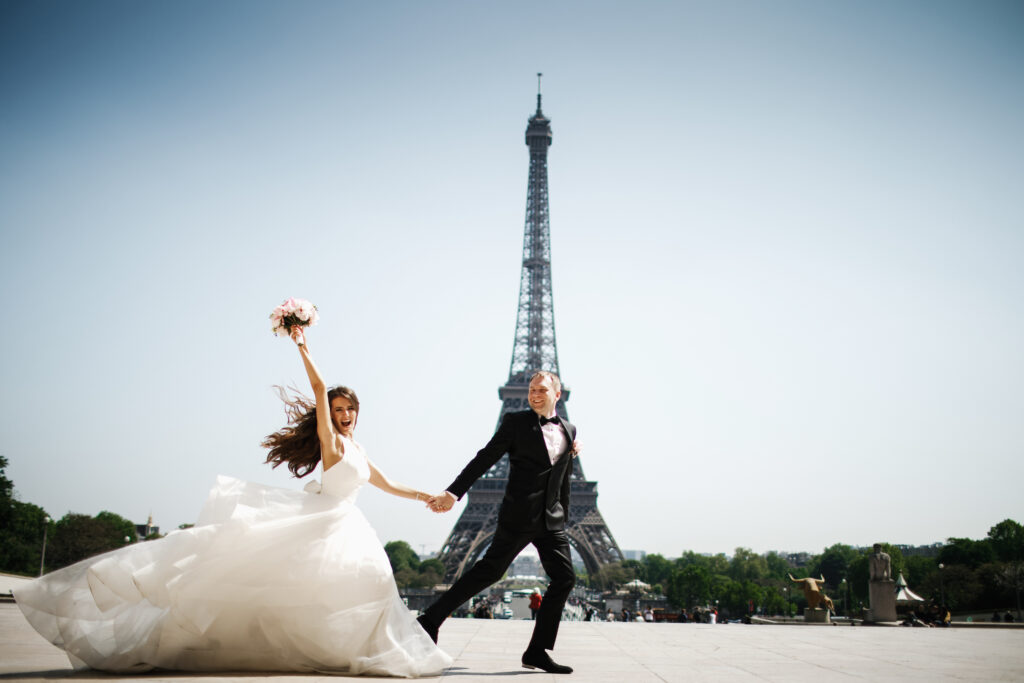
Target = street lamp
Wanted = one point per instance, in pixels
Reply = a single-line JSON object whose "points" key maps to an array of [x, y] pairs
{"points": [[942, 584], [842, 587], [42, 556]]}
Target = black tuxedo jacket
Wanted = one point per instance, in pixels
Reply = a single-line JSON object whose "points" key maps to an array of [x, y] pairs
{"points": [[537, 495]]}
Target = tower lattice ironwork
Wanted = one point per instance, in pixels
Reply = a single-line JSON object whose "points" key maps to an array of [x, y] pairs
{"points": [[534, 349]]}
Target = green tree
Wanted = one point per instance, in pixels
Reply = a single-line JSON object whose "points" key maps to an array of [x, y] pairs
{"points": [[613, 574], [658, 569], [1007, 541], [119, 527], [1012, 577], [76, 537], [636, 569], [431, 573], [961, 587], [776, 566], [922, 572], [773, 601], [746, 565], [689, 585], [21, 538], [402, 556], [6, 487], [21, 529], [834, 564], [966, 552]]}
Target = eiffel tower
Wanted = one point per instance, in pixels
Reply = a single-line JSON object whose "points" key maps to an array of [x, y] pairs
{"points": [[534, 349]]}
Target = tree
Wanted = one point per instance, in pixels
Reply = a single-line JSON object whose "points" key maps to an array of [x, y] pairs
{"points": [[689, 585], [613, 574], [658, 569], [961, 587], [6, 487], [120, 528], [21, 538], [1007, 541], [776, 566], [834, 563], [21, 529], [402, 556], [76, 537], [922, 572], [746, 565], [1013, 578], [966, 552], [635, 569]]}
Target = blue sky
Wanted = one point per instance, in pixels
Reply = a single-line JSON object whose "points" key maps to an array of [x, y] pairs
{"points": [[786, 244]]}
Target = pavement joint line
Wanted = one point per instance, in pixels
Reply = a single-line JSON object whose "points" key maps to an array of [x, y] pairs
{"points": [[630, 655]]}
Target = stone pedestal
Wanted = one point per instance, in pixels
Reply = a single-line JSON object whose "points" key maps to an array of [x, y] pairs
{"points": [[817, 616], [882, 596]]}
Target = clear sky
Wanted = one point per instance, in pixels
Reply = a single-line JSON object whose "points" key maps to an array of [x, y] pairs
{"points": [[787, 247]]}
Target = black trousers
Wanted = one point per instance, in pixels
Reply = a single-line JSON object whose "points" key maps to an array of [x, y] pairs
{"points": [[555, 557]]}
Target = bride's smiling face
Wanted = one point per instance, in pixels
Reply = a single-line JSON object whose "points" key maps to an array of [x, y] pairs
{"points": [[344, 414]]}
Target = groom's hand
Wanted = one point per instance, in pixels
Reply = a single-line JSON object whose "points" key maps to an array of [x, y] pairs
{"points": [[442, 503]]}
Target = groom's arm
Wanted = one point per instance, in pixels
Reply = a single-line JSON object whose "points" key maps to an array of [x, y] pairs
{"points": [[567, 481], [498, 446]]}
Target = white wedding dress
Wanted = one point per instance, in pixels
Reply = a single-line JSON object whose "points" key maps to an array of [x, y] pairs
{"points": [[269, 579]]}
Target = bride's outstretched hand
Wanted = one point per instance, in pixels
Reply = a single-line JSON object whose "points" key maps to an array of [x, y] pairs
{"points": [[298, 335]]}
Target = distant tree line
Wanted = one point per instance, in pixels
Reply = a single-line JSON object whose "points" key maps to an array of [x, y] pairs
{"points": [[410, 571], [965, 574], [69, 539]]}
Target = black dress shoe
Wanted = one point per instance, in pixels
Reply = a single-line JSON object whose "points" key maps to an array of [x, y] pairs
{"points": [[541, 660], [428, 627]]}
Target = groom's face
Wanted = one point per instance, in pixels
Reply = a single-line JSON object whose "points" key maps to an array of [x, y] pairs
{"points": [[543, 396]]}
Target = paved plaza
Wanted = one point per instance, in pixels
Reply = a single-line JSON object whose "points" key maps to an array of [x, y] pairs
{"points": [[486, 650]]}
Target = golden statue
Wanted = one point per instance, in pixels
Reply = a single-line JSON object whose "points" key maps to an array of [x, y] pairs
{"points": [[812, 592]]}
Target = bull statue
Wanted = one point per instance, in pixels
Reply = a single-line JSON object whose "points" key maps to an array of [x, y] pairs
{"points": [[812, 592]]}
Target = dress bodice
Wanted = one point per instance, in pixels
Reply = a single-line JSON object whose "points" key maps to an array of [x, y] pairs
{"points": [[345, 478]]}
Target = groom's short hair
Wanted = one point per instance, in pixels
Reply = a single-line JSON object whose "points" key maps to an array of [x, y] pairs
{"points": [[555, 382]]}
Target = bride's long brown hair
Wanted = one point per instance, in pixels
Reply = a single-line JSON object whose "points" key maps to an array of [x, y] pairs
{"points": [[297, 443]]}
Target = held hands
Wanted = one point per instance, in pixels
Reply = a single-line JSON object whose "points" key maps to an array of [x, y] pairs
{"points": [[298, 335], [441, 503], [577, 448]]}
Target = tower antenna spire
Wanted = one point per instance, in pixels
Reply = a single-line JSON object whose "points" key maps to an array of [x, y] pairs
{"points": [[539, 74]]}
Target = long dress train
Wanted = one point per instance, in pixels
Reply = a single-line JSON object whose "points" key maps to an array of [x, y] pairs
{"points": [[269, 579]]}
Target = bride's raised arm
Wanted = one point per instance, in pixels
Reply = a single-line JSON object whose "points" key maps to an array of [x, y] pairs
{"points": [[331, 448]]}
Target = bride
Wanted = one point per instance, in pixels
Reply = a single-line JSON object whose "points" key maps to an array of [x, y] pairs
{"points": [[268, 579]]}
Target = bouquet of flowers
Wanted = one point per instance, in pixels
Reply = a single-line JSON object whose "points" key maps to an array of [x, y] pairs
{"points": [[293, 312]]}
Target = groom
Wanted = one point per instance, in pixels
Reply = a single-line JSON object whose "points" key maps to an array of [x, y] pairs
{"points": [[540, 447]]}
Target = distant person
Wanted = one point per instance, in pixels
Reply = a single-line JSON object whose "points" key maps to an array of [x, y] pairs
{"points": [[535, 601], [649, 616], [683, 618], [1008, 617], [996, 618]]}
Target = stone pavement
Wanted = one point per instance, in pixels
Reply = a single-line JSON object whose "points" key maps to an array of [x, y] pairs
{"points": [[636, 652]]}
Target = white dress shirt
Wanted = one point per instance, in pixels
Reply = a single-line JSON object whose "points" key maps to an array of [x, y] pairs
{"points": [[555, 439]]}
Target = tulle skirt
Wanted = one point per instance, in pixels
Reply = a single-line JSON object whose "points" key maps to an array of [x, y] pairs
{"points": [[269, 580]]}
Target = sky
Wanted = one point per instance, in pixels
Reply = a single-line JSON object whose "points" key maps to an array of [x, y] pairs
{"points": [[786, 251]]}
